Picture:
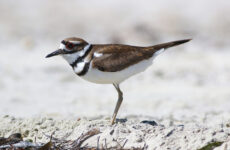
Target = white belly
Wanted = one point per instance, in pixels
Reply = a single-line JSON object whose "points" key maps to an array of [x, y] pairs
{"points": [[97, 76]]}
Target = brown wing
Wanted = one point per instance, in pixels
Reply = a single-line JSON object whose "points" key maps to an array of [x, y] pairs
{"points": [[118, 57]]}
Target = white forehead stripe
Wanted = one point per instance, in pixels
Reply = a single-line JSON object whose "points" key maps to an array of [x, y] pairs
{"points": [[97, 54], [62, 46], [75, 42]]}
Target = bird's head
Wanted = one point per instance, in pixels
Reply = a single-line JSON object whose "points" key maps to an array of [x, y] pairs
{"points": [[71, 49], [69, 46]]}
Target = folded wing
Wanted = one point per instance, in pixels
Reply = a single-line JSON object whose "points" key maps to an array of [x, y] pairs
{"points": [[118, 57], [112, 58]]}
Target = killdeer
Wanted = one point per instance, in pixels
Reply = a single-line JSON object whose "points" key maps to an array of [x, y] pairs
{"points": [[109, 63]]}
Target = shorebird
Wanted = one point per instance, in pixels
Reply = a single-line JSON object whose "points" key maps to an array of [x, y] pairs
{"points": [[109, 63]]}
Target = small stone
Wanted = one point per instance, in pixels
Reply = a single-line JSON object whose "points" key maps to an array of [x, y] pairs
{"points": [[139, 139], [43, 127], [153, 123], [26, 133], [111, 132]]}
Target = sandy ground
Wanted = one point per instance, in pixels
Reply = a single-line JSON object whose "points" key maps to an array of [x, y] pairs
{"points": [[135, 131], [186, 90]]}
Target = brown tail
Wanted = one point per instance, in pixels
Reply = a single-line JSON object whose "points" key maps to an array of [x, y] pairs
{"points": [[167, 45]]}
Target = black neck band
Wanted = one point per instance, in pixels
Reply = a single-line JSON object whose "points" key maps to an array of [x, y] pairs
{"points": [[80, 59]]}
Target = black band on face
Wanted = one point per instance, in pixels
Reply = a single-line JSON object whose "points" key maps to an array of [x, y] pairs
{"points": [[80, 59]]}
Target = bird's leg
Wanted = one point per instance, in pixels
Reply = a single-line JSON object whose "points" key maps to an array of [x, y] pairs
{"points": [[119, 101]]}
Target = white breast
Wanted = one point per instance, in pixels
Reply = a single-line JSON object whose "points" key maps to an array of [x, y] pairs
{"points": [[97, 76]]}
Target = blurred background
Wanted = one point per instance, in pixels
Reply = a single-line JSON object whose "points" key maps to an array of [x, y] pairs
{"points": [[187, 81]]}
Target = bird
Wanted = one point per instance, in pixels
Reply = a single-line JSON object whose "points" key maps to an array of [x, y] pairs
{"points": [[109, 63]]}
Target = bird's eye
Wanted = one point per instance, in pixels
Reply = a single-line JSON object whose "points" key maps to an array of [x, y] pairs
{"points": [[69, 45]]}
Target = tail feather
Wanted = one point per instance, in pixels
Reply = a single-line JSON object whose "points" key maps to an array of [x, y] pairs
{"points": [[167, 45]]}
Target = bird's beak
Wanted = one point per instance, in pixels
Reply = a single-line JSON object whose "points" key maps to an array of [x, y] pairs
{"points": [[57, 52]]}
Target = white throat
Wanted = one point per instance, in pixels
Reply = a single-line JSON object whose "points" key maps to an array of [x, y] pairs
{"points": [[70, 58]]}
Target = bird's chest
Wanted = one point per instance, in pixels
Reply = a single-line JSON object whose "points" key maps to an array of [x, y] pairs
{"points": [[97, 76]]}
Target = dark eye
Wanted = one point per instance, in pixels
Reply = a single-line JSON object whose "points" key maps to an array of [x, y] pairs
{"points": [[69, 45]]}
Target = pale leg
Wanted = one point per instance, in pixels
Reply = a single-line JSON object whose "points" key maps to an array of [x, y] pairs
{"points": [[119, 101]]}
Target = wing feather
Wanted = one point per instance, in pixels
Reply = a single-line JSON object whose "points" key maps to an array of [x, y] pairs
{"points": [[116, 58]]}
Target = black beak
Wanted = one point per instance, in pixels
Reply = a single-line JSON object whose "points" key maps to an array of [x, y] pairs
{"points": [[57, 52]]}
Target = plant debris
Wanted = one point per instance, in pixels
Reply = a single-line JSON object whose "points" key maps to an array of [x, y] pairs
{"points": [[211, 146], [15, 142]]}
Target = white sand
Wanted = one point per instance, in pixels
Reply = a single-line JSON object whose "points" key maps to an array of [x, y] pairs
{"points": [[186, 91], [167, 134]]}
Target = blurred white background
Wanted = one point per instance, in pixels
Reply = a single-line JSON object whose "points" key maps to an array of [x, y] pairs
{"points": [[186, 81]]}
